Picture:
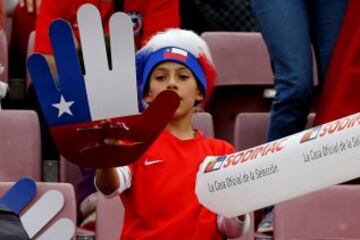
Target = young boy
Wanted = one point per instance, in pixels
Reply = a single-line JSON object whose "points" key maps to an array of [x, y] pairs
{"points": [[158, 191]]}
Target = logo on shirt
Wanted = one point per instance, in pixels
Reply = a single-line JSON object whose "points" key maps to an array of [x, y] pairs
{"points": [[148, 162], [215, 164]]}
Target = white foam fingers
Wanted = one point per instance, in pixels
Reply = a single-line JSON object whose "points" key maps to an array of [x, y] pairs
{"points": [[36, 217], [110, 93], [63, 229], [123, 59]]}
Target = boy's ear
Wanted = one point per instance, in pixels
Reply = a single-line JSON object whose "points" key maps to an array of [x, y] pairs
{"points": [[199, 95], [147, 97]]}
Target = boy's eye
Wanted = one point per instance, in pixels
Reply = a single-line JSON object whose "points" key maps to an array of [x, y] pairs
{"points": [[184, 76], [160, 77]]}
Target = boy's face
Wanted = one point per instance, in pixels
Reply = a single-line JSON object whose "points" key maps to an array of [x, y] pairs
{"points": [[178, 78]]}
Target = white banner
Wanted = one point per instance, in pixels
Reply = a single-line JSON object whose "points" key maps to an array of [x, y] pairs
{"points": [[258, 177]]}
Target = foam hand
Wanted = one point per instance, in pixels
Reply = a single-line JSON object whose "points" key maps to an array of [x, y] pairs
{"points": [[40, 214], [76, 104], [19, 195]]}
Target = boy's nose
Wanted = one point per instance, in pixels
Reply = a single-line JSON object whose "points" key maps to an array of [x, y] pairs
{"points": [[172, 84]]}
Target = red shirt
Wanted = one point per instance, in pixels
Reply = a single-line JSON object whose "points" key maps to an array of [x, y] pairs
{"points": [[161, 202], [148, 17]]}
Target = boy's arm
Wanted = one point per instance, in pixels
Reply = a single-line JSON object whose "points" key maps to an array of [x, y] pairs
{"points": [[234, 227], [112, 181], [107, 180]]}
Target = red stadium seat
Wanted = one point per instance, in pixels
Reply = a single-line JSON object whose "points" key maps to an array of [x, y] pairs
{"points": [[20, 145], [241, 58], [244, 78], [332, 213], [250, 129], [204, 122]]}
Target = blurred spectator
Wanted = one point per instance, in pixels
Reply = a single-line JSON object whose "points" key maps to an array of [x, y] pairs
{"points": [[23, 23], [340, 96], [290, 29], [214, 15]]}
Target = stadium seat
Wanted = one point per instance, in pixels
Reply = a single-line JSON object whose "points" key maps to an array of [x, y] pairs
{"points": [[332, 213], [204, 122], [240, 58], [250, 129], [20, 145], [245, 79], [68, 210]]}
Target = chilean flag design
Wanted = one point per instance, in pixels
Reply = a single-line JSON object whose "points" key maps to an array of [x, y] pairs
{"points": [[75, 104], [176, 53]]}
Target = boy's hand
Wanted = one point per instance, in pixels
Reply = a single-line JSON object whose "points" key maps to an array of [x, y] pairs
{"points": [[75, 104]]}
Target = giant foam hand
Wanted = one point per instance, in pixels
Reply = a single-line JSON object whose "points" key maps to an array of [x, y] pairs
{"points": [[76, 104]]}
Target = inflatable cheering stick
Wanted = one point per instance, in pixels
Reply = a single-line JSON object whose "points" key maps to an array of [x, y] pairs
{"points": [[84, 112]]}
